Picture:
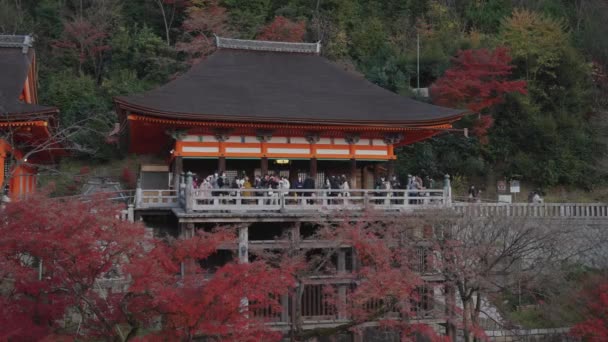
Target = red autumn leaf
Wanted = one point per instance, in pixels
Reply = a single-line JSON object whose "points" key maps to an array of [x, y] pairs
{"points": [[200, 26], [595, 326], [283, 30], [477, 80], [85, 249]]}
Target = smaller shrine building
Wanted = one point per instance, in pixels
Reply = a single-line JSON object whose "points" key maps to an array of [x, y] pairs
{"points": [[25, 126]]}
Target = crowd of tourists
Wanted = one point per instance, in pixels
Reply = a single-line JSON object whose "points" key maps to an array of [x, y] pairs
{"points": [[337, 187], [269, 186], [218, 188]]}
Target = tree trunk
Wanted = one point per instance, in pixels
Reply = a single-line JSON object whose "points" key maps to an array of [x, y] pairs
{"points": [[475, 312], [162, 11], [450, 293], [465, 320]]}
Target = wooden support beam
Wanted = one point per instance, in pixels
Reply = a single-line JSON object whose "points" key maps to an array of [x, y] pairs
{"points": [[2, 158], [244, 259], [313, 168], [341, 261], [376, 172], [353, 173], [221, 164], [244, 244], [294, 233], [390, 169], [264, 166], [341, 268], [178, 168], [188, 266]]}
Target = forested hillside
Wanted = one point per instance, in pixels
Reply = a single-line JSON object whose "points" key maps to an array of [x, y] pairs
{"points": [[541, 118]]}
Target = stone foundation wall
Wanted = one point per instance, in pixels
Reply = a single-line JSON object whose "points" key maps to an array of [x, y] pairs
{"points": [[532, 335]]}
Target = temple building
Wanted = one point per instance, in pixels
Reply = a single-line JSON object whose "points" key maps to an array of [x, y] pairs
{"points": [[25, 126], [262, 107], [255, 109]]}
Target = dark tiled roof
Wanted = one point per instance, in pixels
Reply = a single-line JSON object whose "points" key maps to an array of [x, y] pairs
{"points": [[16, 55], [244, 84], [17, 41]]}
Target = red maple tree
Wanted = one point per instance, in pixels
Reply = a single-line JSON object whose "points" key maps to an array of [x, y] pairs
{"points": [[477, 80], [595, 327], [86, 42], [72, 268], [284, 30], [202, 23], [128, 177], [386, 287]]}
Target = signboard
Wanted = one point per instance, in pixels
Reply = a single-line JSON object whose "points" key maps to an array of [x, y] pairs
{"points": [[501, 186], [505, 199], [514, 188]]}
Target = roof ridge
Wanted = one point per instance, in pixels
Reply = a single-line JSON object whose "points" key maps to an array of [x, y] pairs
{"points": [[17, 41], [266, 45]]}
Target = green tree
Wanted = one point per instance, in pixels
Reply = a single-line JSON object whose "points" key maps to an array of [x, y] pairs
{"points": [[537, 42], [142, 51], [453, 154], [486, 15], [546, 136], [84, 104], [14, 18], [248, 16]]}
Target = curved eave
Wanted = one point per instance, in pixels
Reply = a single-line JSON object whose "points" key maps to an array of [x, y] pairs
{"points": [[198, 117], [43, 114]]}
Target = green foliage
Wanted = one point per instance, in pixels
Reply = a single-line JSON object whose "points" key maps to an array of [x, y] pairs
{"points": [[77, 96], [451, 154], [248, 16], [48, 20], [124, 82], [486, 15], [83, 105], [368, 38], [13, 18], [144, 52], [548, 303], [548, 136], [535, 41]]}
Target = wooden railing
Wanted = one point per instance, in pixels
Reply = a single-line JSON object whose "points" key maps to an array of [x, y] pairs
{"points": [[241, 200], [146, 199], [574, 210], [275, 200], [320, 303]]}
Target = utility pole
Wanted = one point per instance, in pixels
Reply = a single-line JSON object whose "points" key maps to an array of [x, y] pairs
{"points": [[418, 63]]}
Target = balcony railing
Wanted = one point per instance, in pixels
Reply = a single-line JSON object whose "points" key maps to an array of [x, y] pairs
{"points": [[192, 200], [155, 199], [220, 200], [545, 210]]}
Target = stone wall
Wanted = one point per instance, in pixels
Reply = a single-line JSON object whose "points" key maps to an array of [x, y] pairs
{"points": [[532, 335]]}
